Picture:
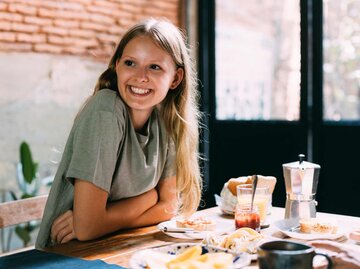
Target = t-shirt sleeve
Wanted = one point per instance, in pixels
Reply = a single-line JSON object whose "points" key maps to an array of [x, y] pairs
{"points": [[170, 163], [96, 141]]}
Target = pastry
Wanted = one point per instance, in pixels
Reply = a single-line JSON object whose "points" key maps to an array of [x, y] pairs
{"points": [[198, 224], [318, 225]]}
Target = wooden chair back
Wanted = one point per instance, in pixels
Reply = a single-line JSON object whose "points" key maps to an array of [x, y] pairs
{"points": [[21, 211]]}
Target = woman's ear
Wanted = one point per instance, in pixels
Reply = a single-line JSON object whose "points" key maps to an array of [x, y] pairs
{"points": [[178, 77]]}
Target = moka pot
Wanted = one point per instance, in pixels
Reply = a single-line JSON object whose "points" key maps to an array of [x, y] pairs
{"points": [[301, 180]]}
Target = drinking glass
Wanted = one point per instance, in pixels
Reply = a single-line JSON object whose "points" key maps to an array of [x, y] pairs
{"points": [[261, 199]]}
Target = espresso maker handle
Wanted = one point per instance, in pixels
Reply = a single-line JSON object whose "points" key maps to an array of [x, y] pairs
{"points": [[330, 263]]}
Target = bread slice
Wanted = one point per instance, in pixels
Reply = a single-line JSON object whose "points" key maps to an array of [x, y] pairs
{"points": [[234, 182], [318, 225], [198, 224], [263, 181]]}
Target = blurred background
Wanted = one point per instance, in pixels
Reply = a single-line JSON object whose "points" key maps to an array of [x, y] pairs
{"points": [[277, 78]]}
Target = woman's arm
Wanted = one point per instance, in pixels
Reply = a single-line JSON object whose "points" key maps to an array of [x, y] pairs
{"points": [[93, 217], [165, 208]]}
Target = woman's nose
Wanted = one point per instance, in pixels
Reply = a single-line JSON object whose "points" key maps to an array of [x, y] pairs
{"points": [[141, 75]]}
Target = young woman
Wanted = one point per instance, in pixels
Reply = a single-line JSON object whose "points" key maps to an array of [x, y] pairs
{"points": [[131, 158]]}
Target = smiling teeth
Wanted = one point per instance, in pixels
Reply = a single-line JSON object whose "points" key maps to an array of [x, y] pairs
{"points": [[139, 90]]}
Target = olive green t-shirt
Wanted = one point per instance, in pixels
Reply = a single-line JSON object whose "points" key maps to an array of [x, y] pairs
{"points": [[104, 149]]}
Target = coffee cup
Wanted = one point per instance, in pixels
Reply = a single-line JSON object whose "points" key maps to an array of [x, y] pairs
{"points": [[284, 254]]}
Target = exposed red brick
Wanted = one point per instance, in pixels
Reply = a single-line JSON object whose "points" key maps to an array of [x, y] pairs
{"points": [[75, 50], [10, 16], [101, 10], [101, 19], [74, 41], [60, 40], [22, 27], [82, 42], [117, 14], [102, 53], [55, 30], [3, 6], [107, 38], [22, 8], [66, 23], [82, 33], [172, 5], [75, 27], [31, 38], [83, 2], [15, 46], [93, 26], [7, 36], [116, 30], [130, 7], [125, 23], [68, 5], [72, 15], [37, 20], [47, 48], [106, 4], [47, 13], [5, 25]]}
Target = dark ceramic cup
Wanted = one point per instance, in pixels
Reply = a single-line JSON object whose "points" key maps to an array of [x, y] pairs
{"points": [[287, 254]]}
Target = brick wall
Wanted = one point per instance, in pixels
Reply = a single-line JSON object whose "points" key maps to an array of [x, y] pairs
{"points": [[89, 28]]}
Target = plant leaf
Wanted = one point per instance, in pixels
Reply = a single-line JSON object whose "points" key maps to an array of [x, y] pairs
{"points": [[23, 234], [26, 195], [27, 162], [13, 195]]}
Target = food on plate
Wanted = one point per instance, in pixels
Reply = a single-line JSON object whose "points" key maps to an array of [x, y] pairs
{"points": [[355, 235], [228, 192], [190, 253], [191, 257], [242, 240], [196, 223], [234, 182], [318, 225]]}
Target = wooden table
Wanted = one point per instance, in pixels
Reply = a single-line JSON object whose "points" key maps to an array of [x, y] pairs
{"points": [[118, 247]]}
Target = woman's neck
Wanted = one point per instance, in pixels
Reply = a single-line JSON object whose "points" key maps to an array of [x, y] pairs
{"points": [[139, 120]]}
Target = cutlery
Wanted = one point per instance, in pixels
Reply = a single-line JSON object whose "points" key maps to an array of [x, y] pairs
{"points": [[294, 228], [178, 230], [254, 184]]}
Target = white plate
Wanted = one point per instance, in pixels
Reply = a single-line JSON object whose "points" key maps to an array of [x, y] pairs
{"points": [[285, 224], [139, 259], [222, 227]]}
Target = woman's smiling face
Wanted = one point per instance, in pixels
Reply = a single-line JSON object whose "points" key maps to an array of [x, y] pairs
{"points": [[145, 74]]}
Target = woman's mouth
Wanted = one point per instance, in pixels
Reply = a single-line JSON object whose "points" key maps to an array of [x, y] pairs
{"points": [[140, 91]]}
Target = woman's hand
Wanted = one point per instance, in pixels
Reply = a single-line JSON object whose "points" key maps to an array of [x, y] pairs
{"points": [[62, 229], [343, 256]]}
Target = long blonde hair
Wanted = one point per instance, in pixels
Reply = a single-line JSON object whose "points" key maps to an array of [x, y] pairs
{"points": [[179, 109]]}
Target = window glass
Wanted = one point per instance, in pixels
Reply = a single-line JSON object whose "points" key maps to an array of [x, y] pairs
{"points": [[257, 60], [341, 50]]}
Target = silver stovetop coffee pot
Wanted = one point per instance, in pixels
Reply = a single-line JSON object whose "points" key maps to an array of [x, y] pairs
{"points": [[301, 180]]}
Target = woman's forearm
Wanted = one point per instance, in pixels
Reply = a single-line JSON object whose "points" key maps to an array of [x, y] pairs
{"points": [[95, 218], [128, 210], [162, 211]]}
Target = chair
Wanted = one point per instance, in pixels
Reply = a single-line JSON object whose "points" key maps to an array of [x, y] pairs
{"points": [[20, 211]]}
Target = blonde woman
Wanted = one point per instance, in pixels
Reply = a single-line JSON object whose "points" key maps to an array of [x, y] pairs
{"points": [[131, 158]]}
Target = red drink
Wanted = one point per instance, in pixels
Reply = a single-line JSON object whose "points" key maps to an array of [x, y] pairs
{"points": [[245, 217]]}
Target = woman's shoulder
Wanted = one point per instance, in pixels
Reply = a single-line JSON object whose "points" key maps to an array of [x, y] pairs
{"points": [[107, 100]]}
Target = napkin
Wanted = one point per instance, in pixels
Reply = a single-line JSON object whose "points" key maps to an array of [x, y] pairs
{"points": [[36, 259]]}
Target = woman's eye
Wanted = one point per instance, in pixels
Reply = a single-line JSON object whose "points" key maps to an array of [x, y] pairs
{"points": [[154, 67], [129, 63]]}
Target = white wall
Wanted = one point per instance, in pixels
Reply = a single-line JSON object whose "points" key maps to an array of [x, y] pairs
{"points": [[39, 96]]}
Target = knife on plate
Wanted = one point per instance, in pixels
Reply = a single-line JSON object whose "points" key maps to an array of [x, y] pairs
{"points": [[178, 230]]}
